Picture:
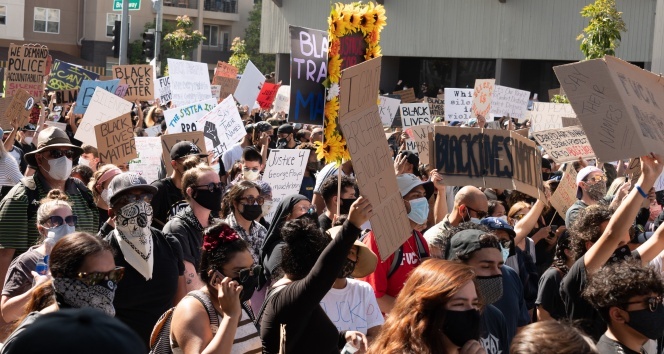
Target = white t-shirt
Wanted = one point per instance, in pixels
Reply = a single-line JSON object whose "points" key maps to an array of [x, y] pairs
{"points": [[353, 308], [231, 156]]}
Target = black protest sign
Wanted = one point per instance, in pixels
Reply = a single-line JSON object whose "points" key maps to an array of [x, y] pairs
{"points": [[66, 96], [487, 158], [65, 76], [309, 50]]}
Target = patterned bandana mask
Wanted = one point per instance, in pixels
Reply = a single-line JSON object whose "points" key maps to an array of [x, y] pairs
{"points": [[77, 294], [132, 231]]}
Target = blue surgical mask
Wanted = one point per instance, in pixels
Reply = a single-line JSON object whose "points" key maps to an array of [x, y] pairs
{"points": [[54, 234], [419, 210], [505, 252]]}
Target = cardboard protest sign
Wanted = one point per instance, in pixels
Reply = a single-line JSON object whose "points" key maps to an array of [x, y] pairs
{"points": [[190, 81], [387, 108], [361, 126], [621, 105], [488, 158], [282, 101], [139, 79], [309, 48], [634, 169], [267, 95], [121, 90], [66, 96], [570, 122], [216, 91], [419, 138], [115, 140], [413, 114], [66, 76], [185, 118], [507, 101], [162, 89], [103, 107], [20, 106], [284, 171], [565, 144], [168, 140], [222, 127], [228, 86], [458, 104], [547, 116], [224, 69], [250, 85], [482, 94], [148, 162], [565, 194], [26, 68], [436, 106], [88, 89], [407, 96]]}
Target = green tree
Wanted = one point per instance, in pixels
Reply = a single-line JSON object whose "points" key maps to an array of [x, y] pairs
{"points": [[183, 40], [239, 58], [252, 37], [165, 49], [602, 36], [559, 99], [136, 52]]}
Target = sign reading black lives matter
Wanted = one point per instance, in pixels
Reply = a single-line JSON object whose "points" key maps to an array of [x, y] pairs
{"points": [[309, 49], [487, 158]]}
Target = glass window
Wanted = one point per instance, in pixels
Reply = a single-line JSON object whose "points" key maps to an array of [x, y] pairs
{"points": [[211, 34], [110, 23], [47, 20], [3, 15]]}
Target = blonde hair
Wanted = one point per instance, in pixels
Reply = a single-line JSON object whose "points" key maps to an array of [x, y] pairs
{"points": [[54, 200], [551, 337], [193, 174], [92, 185]]}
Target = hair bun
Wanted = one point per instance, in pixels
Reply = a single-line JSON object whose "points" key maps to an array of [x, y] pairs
{"points": [[212, 240], [56, 194]]}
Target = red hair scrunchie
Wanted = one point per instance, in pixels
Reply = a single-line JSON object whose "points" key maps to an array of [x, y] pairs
{"points": [[227, 234]]}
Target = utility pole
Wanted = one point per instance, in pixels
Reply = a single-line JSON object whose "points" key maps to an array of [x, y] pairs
{"points": [[124, 32], [158, 6]]}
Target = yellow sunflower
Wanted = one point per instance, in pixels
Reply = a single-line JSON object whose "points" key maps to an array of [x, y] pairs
{"points": [[334, 68], [380, 20], [332, 108], [373, 52]]}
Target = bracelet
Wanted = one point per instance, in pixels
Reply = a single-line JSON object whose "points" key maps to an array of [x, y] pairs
{"points": [[640, 190]]}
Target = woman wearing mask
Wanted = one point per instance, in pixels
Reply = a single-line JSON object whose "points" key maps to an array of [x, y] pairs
{"points": [[10, 174], [99, 187], [154, 117], [439, 297], [241, 208], [230, 275], [55, 219], [202, 190]]}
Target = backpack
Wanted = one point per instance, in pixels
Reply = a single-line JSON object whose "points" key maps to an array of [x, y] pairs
{"points": [[160, 339], [398, 254], [33, 195]]}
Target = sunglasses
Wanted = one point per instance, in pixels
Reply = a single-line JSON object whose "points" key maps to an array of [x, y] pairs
{"points": [[252, 200], [518, 216], [95, 278], [133, 198], [244, 274], [56, 154], [56, 220], [480, 214], [598, 178], [211, 187], [652, 303]]}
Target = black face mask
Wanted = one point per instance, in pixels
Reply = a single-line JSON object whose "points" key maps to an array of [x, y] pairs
{"points": [[462, 326], [345, 205], [251, 212], [282, 142], [648, 323], [347, 269], [249, 283], [208, 200]]}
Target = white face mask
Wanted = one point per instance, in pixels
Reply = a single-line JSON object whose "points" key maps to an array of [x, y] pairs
{"points": [[83, 162], [504, 218], [419, 210], [251, 175], [60, 168], [105, 198], [28, 140], [54, 234]]}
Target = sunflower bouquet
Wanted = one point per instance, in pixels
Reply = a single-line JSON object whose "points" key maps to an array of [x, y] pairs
{"points": [[346, 19]]}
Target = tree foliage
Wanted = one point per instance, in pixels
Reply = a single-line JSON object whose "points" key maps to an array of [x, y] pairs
{"points": [[559, 99], [252, 37], [184, 40], [239, 58], [603, 34]]}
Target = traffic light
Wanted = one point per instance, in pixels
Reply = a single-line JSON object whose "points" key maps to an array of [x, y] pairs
{"points": [[116, 39], [148, 45]]}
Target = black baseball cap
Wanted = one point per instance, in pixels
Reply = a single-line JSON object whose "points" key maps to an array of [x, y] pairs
{"points": [[185, 148], [414, 160], [285, 129], [465, 242], [128, 181]]}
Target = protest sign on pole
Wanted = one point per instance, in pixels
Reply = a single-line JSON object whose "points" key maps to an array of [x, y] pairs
{"points": [[224, 69], [190, 81], [66, 76], [284, 171], [623, 104], [360, 123], [488, 158], [387, 108], [26, 68], [565, 144], [419, 138], [88, 89], [168, 140], [565, 194], [507, 101], [482, 94], [413, 114], [436, 106], [547, 116], [163, 89], [267, 95], [250, 85], [139, 78], [103, 107], [115, 140], [282, 101], [222, 127], [148, 162], [407, 95], [458, 104], [20, 106], [185, 118], [66, 96], [309, 48]]}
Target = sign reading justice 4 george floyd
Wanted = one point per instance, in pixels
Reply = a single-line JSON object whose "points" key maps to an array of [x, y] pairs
{"points": [[309, 49]]}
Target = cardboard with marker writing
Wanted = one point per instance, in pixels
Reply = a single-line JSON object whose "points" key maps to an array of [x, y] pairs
{"points": [[19, 106], [282, 101], [566, 144], [436, 106], [139, 78], [103, 106], [148, 162], [26, 67], [414, 114], [388, 108], [634, 169], [222, 127], [162, 89], [419, 136], [361, 126], [546, 115], [66, 96], [168, 140], [565, 194], [407, 95], [570, 122], [482, 94], [527, 166], [224, 69], [228, 86], [190, 81], [115, 140], [284, 171], [458, 104]]}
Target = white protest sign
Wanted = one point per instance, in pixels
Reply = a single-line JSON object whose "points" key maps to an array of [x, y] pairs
{"points": [[61, 126], [458, 104], [222, 127], [418, 140], [216, 91], [162, 89], [284, 171], [565, 144], [659, 183], [103, 107], [190, 81], [507, 101], [547, 116], [148, 162], [185, 119], [250, 85], [413, 114], [388, 108], [282, 101], [153, 130]]}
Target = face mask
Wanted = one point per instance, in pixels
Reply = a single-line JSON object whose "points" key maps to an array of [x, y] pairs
{"points": [[490, 287], [54, 234], [208, 200], [83, 162], [462, 326], [597, 191], [347, 269], [621, 254], [60, 168], [504, 218], [475, 221], [419, 210], [77, 294], [251, 175], [650, 324], [266, 207], [346, 203], [282, 142], [28, 140], [134, 219], [546, 176], [505, 252], [216, 167], [104, 197], [251, 212]]}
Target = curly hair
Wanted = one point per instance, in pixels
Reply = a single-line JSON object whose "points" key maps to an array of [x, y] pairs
{"points": [[616, 283], [304, 244], [443, 238], [586, 228], [560, 258], [552, 337], [219, 249]]}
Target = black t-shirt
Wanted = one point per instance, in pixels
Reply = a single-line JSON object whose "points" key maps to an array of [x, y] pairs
{"points": [[548, 293], [512, 304], [324, 222], [606, 345], [493, 331], [189, 237], [166, 202], [103, 216], [307, 187], [576, 307], [138, 302]]}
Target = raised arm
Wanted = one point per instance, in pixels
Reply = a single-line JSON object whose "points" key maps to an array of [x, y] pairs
{"points": [[525, 225]]}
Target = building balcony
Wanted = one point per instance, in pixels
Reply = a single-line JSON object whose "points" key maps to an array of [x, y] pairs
{"points": [[226, 6], [186, 4]]}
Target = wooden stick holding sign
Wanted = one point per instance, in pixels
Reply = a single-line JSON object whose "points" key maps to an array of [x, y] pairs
{"points": [[115, 140]]}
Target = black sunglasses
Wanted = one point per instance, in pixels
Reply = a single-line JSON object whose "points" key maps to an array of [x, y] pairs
{"points": [[211, 186], [252, 200], [56, 220], [480, 214], [95, 278], [244, 274], [56, 154]]}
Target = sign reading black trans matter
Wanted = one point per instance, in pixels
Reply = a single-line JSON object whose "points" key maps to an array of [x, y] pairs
{"points": [[309, 49]]}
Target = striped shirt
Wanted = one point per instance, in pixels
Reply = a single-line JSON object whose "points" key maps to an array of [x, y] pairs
{"points": [[9, 171], [19, 232]]}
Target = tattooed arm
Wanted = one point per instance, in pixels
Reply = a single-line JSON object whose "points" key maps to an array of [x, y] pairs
{"points": [[192, 280]]}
